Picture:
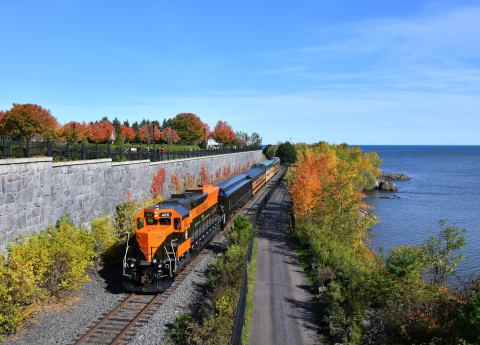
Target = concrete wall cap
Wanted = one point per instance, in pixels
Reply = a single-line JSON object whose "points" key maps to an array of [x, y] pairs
{"points": [[9, 161], [201, 157], [86, 161], [131, 162]]}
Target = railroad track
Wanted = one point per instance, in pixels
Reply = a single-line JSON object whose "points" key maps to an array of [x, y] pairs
{"points": [[121, 324]]}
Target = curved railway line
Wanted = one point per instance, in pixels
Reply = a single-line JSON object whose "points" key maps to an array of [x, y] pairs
{"points": [[121, 324]]}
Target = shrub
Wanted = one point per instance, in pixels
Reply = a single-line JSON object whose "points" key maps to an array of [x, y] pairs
{"points": [[105, 239], [470, 314], [439, 252], [405, 261], [45, 264], [70, 253], [124, 218]]}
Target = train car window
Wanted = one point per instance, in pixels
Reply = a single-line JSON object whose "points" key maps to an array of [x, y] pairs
{"points": [[152, 221], [165, 221], [140, 223], [176, 223]]}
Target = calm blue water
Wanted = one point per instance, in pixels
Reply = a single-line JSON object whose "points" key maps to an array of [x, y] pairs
{"points": [[445, 185]]}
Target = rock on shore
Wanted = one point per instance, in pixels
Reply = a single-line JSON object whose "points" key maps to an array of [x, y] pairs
{"points": [[393, 177], [384, 181]]}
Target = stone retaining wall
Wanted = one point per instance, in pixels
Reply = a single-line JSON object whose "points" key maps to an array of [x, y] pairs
{"points": [[35, 192]]}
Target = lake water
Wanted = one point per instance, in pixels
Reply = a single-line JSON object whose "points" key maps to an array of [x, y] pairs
{"points": [[445, 184]]}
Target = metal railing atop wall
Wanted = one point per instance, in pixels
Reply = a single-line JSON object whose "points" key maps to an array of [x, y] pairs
{"points": [[236, 338], [60, 151]]}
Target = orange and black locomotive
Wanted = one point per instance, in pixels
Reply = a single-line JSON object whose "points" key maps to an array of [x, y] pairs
{"points": [[169, 233]]}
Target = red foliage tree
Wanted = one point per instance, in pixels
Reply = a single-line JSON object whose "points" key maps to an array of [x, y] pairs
{"points": [[26, 120], [223, 133], [170, 136], [142, 134], [127, 132], [158, 182], [100, 132]]}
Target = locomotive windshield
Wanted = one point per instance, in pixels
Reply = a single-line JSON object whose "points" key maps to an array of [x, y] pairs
{"points": [[165, 221]]}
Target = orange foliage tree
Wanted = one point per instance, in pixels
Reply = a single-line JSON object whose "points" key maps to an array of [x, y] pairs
{"points": [[100, 131], [308, 183], [73, 131], [26, 120], [223, 133], [158, 182], [127, 132]]}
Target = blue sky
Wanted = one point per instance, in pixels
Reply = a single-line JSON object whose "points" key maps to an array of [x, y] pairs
{"points": [[362, 72]]}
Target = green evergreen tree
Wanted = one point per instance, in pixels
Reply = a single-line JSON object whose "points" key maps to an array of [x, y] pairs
{"points": [[287, 153]]}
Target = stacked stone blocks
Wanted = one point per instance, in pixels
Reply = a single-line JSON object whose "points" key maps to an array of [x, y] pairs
{"points": [[36, 192]]}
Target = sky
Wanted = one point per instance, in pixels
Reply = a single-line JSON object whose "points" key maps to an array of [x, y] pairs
{"points": [[361, 72]]}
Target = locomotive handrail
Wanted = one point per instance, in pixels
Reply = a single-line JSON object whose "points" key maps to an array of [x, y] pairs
{"points": [[125, 256]]}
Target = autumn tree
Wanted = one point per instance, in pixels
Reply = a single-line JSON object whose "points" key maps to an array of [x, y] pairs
{"points": [[100, 132], [142, 135], [223, 133], [127, 132], [189, 127], [169, 136], [310, 180], [73, 131], [26, 120]]}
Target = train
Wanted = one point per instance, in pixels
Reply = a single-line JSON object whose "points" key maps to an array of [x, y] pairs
{"points": [[170, 233]]}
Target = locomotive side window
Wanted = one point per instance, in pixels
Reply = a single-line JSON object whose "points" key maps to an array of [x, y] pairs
{"points": [[152, 221], [176, 223], [140, 223], [165, 221]]}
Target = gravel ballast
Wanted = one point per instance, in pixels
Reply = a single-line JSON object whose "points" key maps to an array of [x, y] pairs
{"points": [[63, 324], [188, 292]]}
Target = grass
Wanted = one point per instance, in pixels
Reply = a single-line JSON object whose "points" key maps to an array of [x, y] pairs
{"points": [[252, 270]]}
